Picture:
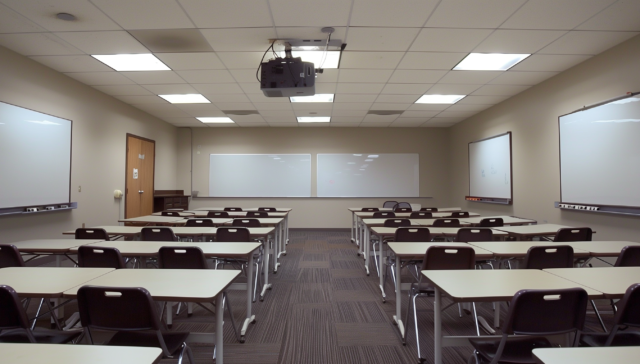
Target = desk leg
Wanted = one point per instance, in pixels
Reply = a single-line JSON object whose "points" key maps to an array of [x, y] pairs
{"points": [[283, 238], [265, 269], [250, 318], [366, 246], [276, 248], [219, 329], [59, 312], [383, 271], [353, 225], [398, 316], [437, 327], [286, 229]]}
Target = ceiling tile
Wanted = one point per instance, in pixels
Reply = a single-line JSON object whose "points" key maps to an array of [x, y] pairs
{"points": [[313, 106], [12, 22], [329, 76], [37, 44], [517, 41], [228, 13], [448, 40], [398, 98], [364, 76], [473, 14], [522, 78], [215, 98], [245, 76], [555, 14], [428, 107], [78, 63], [359, 88], [405, 89], [262, 99], [587, 42], [42, 12], [339, 98], [191, 61], [352, 106], [251, 87], [469, 77], [500, 90], [207, 76], [347, 119], [100, 78], [156, 14], [375, 60], [218, 88], [312, 113], [326, 88], [390, 106], [309, 33], [136, 100], [456, 114], [304, 13], [277, 114], [154, 77], [549, 62], [205, 113], [171, 89], [239, 60], [447, 121], [437, 124], [375, 124], [451, 89], [235, 106], [623, 15], [409, 122], [370, 118], [430, 60], [264, 106], [481, 100], [198, 108], [239, 40], [314, 125], [419, 113], [408, 13], [284, 125], [114, 42], [468, 107], [359, 113], [222, 125], [240, 119], [183, 122], [416, 76], [177, 113], [381, 39], [124, 90]]}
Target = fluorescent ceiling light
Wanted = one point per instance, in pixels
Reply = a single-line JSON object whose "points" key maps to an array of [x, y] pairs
{"points": [[489, 61], [440, 99], [314, 119], [331, 60], [186, 99], [372, 156], [314, 98], [220, 120], [132, 62]]}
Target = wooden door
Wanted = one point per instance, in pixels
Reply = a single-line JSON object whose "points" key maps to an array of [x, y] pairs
{"points": [[140, 176]]}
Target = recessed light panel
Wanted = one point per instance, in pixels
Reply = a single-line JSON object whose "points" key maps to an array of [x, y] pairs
{"points": [[314, 119], [186, 99], [218, 120], [440, 99], [314, 98], [489, 62], [132, 62]]}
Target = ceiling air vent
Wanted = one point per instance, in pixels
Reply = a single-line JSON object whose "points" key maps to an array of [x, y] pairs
{"points": [[385, 112], [241, 112]]}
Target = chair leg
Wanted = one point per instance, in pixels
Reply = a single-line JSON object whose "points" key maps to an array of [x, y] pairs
{"points": [[233, 321], [595, 309], [375, 257], [406, 318], [33, 326], [475, 318], [186, 348]]}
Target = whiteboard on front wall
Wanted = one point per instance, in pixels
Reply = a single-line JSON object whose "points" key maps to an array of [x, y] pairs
{"points": [[490, 167]]}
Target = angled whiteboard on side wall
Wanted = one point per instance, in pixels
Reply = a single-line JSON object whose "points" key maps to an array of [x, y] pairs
{"points": [[260, 175], [368, 175], [490, 169]]}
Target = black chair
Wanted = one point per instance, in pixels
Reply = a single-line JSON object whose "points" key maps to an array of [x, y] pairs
{"points": [[93, 234], [421, 215], [458, 214], [90, 256], [267, 209], [397, 222], [232, 209], [170, 213], [629, 257], [132, 314], [438, 258], [14, 323], [429, 209], [199, 223], [446, 223], [10, 256], [491, 222], [402, 209], [402, 205], [369, 209], [257, 214], [233, 234], [405, 234], [474, 234], [246, 222], [533, 312], [547, 257], [628, 315], [157, 233], [384, 215], [217, 214], [389, 204], [573, 234]]}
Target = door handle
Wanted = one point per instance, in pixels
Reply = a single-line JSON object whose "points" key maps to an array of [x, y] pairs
{"points": [[140, 191]]}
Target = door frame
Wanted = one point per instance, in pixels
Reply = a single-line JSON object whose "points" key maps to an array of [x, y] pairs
{"points": [[126, 168]]}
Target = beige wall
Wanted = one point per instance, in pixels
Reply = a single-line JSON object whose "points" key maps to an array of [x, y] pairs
{"points": [[532, 116], [430, 143], [100, 123]]}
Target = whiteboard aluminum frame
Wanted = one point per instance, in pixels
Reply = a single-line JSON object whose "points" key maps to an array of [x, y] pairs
{"points": [[492, 199]]}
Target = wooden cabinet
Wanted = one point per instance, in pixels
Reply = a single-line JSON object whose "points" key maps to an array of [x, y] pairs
{"points": [[170, 199]]}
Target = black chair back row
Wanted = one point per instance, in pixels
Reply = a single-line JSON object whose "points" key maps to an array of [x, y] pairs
{"points": [[10, 257]]}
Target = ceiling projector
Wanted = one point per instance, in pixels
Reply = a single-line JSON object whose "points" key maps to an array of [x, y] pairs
{"points": [[287, 77]]}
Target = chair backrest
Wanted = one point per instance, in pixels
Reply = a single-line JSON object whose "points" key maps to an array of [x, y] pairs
{"points": [[460, 214], [383, 214], [628, 313], [492, 222], [246, 222], [215, 214], [449, 258], [233, 209], [181, 257], [412, 235], [402, 209], [397, 222], [267, 209], [629, 257], [446, 223], [257, 214], [13, 315], [546, 257], [157, 233], [369, 209], [389, 204], [93, 234], [199, 223], [402, 205], [429, 209], [170, 213], [10, 256], [233, 234], [421, 215], [90, 256], [474, 234], [573, 234]]}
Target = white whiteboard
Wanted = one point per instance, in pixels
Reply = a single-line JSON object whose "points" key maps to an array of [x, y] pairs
{"points": [[600, 154], [260, 175], [368, 175], [35, 158], [490, 167]]}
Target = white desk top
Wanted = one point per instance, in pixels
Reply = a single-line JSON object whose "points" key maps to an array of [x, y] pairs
{"points": [[507, 220], [612, 281], [181, 213], [490, 285], [223, 249], [215, 220], [404, 215], [152, 219], [50, 245], [437, 231], [233, 214], [532, 230], [78, 354], [380, 222], [255, 232], [193, 285], [151, 248], [48, 282], [278, 209], [601, 248], [596, 355], [518, 249], [418, 249], [272, 221], [113, 230]]}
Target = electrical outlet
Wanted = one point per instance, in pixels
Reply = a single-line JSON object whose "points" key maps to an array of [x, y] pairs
{"points": [[79, 188], [32, 209], [50, 208]]}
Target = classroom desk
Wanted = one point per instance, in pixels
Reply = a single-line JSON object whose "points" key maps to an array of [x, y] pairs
{"points": [[518, 249], [507, 220], [586, 355], [612, 281], [58, 247], [78, 354], [526, 232], [487, 286], [115, 230], [181, 213], [416, 251], [153, 219], [279, 235], [134, 231]]}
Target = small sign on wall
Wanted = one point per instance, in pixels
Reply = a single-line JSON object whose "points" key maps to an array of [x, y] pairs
{"points": [[135, 173]]}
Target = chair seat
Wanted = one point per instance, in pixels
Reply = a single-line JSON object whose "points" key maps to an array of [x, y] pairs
{"points": [[42, 336], [517, 350], [621, 339], [173, 340]]}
